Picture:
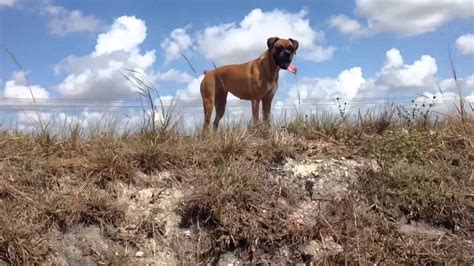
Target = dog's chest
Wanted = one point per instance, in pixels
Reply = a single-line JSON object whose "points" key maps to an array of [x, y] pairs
{"points": [[263, 88], [269, 86]]}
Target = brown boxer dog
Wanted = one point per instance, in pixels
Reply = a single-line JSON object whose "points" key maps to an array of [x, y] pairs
{"points": [[256, 80]]}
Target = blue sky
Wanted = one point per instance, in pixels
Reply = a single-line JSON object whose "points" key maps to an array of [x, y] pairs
{"points": [[350, 49]]}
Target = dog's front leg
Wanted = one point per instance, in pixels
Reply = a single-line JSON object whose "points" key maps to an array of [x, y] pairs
{"points": [[267, 107], [255, 107]]}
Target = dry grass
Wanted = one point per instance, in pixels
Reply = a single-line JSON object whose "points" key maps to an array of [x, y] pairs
{"points": [[57, 184], [239, 207]]}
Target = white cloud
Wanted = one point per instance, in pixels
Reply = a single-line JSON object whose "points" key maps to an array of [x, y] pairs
{"points": [[235, 43], [125, 35], [8, 3], [465, 85], [53, 10], [393, 58], [465, 44], [396, 75], [18, 96], [178, 42], [17, 89], [98, 75], [192, 90], [349, 26], [448, 98], [394, 78], [404, 17], [19, 77], [31, 118], [174, 75], [63, 21], [313, 90], [442, 103], [73, 21]]}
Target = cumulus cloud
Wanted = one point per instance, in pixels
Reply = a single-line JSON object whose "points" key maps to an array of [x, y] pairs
{"points": [[125, 35], [192, 90], [442, 102], [18, 95], [98, 75], [465, 44], [234, 43], [404, 17], [447, 97], [64, 21], [174, 75], [394, 78], [12, 90], [30, 118], [348, 26], [396, 75], [73, 21], [463, 85], [18, 89], [178, 42], [312, 90]]}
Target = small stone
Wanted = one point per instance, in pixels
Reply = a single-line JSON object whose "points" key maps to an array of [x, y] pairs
{"points": [[313, 249], [375, 167], [139, 254], [316, 250], [130, 227], [228, 259], [187, 233], [145, 195]]}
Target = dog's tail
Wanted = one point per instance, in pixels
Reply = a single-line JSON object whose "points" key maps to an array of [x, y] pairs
{"points": [[203, 83]]}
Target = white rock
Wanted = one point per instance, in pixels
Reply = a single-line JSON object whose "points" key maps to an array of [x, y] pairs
{"points": [[145, 195]]}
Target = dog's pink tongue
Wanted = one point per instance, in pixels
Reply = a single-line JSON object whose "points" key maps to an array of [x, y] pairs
{"points": [[292, 69]]}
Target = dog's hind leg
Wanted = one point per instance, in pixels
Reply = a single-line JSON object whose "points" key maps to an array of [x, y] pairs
{"points": [[208, 95], [208, 106], [220, 103]]}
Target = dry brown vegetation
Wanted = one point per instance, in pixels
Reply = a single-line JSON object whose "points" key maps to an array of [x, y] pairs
{"points": [[73, 199]]}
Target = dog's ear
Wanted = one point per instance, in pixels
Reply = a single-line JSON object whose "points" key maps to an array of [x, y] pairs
{"points": [[295, 44], [271, 41]]}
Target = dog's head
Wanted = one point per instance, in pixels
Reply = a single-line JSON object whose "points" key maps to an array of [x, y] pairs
{"points": [[282, 51]]}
